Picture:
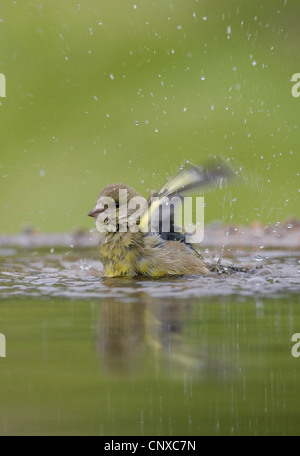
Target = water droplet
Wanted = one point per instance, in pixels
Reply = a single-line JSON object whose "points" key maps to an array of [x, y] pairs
{"points": [[289, 226], [83, 266], [258, 258]]}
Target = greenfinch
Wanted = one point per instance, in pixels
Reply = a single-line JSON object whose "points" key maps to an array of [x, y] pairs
{"points": [[127, 252]]}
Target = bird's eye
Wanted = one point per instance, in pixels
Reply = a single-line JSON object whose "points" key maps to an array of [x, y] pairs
{"points": [[117, 205]]}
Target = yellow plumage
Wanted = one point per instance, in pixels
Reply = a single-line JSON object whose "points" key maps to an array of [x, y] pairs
{"points": [[149, 254]]}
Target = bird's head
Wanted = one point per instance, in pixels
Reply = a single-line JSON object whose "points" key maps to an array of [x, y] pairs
{"points": [[113, 207]]}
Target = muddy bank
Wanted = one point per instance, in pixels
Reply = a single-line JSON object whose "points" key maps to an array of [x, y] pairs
{"points": [[279, 236]]}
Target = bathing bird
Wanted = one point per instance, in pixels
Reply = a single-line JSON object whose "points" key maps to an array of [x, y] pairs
{"points": [[140, 237]]}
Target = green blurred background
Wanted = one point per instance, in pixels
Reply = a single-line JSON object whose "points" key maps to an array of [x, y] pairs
{"points": [[99, 92]]}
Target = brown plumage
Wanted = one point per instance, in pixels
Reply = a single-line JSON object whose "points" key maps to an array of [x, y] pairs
{"points": [[149, 254]]}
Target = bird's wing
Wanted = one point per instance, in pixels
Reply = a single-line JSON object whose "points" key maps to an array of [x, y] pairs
{"points": [[188, 180]]}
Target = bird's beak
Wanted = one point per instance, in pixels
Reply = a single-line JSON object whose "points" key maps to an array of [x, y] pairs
{"points": [[96, 212]]}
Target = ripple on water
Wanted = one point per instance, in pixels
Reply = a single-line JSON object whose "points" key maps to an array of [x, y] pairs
{"points": [[78, 277]]}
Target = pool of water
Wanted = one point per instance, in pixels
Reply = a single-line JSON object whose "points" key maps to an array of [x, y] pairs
{"points": [[181, 356]]}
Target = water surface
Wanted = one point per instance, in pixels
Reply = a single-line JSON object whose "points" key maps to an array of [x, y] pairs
{"points": [[175, 356]]}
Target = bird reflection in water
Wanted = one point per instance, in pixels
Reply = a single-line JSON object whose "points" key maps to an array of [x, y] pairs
{"points": [[145, 332]]}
